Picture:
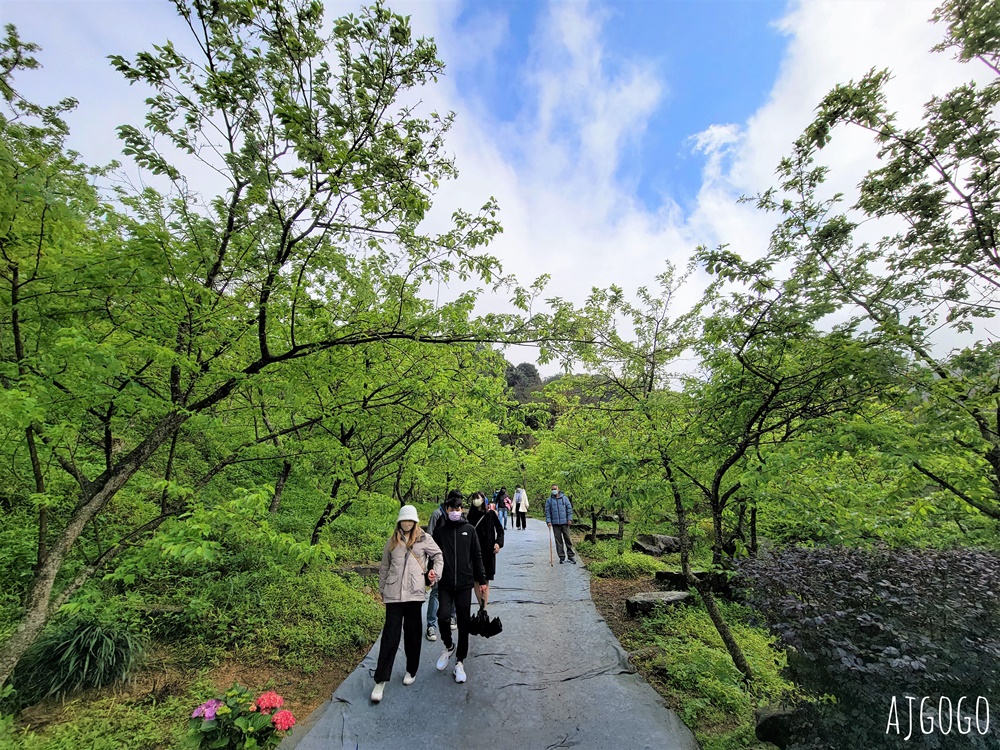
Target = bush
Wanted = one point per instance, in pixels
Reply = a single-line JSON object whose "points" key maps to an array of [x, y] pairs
{"points": [[77, 655], [626, 565], [109, 723], [236, 720], [603, 550], [696, 673], [867, 625]]}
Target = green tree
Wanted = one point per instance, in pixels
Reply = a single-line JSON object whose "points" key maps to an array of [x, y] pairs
{"points": [[135, 327], [936, 269]]}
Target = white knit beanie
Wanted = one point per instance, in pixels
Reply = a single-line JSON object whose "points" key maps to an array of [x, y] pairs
{"points": [[408, 513]]}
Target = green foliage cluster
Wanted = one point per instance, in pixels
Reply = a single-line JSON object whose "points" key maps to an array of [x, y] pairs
{"points": [[109, 723], [682, 651], [626, 565], [73, 656], [613, 559], [237, 720]]}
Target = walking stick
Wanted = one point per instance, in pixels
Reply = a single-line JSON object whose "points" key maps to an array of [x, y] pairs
{"points": [[550, 547]]}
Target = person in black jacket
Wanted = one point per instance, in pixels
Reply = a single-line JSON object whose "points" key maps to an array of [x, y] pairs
{"points": [[490, 533], [463, 569]]}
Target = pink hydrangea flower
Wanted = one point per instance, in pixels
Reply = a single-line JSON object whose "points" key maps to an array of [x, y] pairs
{"points": [[207, 710], [283, 720], [269, 701]]}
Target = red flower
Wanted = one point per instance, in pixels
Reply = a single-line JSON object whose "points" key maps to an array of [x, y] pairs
{"points": [[283, 720], [270, 701]]}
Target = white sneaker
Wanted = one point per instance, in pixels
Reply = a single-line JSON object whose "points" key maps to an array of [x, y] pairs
{"points": [[431, 634], [408, 678], [459, 672], [442, 662], [377, 692], [454, 623]]}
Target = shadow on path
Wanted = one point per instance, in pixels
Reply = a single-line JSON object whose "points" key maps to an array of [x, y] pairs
{"points": [[555, 678]]}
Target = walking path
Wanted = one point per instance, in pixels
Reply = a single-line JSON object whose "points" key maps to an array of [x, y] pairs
{"points": [[555, 678]]}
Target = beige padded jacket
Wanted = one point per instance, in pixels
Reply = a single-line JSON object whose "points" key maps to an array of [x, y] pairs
{"points": [[401, 575]]}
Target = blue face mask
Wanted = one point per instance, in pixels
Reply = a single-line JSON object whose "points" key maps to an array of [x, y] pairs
{"points": [[455, 515], [555, 493]]}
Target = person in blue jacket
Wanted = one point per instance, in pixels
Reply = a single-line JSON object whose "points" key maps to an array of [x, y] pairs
{"points": [[559, 515]]}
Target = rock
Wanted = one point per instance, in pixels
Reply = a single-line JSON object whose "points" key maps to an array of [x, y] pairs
{"points": [[656, 544], [775, 725], [675, 580], [645, 603], [601, 537]]}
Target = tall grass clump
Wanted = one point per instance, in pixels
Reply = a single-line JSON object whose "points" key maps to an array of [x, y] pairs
{"points": [[77, 655]]}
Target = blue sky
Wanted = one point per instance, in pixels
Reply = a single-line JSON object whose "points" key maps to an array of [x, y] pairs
{"points": [[717, 59]]}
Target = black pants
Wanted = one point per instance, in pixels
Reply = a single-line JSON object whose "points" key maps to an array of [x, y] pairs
{"points": [[461, 602], [561, 533], [522, 519], [402, 617]]}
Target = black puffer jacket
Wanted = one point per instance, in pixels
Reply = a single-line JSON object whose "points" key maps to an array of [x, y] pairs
{"points": [[463, 559], [490, 532]]}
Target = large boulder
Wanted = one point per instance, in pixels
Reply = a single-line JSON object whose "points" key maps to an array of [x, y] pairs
{"points": [[675, 580], [646, 602], [775, 725], [656, 544], [601, 537]]}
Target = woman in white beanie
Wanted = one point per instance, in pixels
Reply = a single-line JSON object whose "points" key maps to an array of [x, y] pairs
{"points": [[410, 561]]}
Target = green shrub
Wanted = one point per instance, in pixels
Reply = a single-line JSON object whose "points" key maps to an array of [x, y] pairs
{"points": [[108, 724], [626, 565], [76, 655], [693, 667], [603, 550]]}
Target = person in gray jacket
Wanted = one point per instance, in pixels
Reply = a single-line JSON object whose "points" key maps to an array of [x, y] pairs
{"points": [[559, 515], [411, 559]]}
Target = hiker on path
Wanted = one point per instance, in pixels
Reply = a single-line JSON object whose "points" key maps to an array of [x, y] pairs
{"points": [[463, 569], [490, 533], [410, 560], [559, 515], [502, 505], [520, 508], [437, 517]]}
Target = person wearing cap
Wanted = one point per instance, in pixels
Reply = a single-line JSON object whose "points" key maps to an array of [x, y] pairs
{"points": [[410, 561], [559, 515], [463, 569]]}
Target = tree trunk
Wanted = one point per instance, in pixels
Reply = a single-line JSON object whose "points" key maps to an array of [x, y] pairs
{"points": [[703, 589], [753, 530], [279, 486], [328, 516], [36, 464], [169, 473], [37, 609], [717, 541]]}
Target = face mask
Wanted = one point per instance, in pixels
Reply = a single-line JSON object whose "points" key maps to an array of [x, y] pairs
{"points": [[455, 515], [555, 493], [477, 502]]}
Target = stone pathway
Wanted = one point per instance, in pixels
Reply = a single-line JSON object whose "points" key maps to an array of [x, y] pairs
{"points": [[555, 678]]}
